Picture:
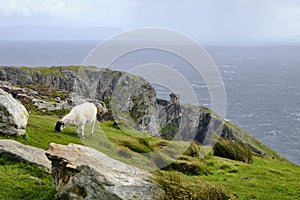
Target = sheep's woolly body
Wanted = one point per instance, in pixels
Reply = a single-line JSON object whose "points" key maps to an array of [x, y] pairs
{"points": [[84, 113], [81, 115]]}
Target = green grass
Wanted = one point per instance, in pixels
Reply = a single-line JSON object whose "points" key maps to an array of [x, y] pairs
{"points": [[49, 70], [264, 179], [193, 173], [24, 181], [40, 133]]}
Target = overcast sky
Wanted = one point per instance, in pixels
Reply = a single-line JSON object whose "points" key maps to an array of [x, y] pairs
{"points": [[201, 19]]}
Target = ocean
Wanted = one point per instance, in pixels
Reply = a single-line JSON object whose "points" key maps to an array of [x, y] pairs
{"points": [[262, 83]]}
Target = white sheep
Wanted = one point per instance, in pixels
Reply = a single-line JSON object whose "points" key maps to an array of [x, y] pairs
{"points": [[79, 116]]}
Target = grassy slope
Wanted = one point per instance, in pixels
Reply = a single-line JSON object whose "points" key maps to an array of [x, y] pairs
{"points": [[24, 181], [264, 179]]}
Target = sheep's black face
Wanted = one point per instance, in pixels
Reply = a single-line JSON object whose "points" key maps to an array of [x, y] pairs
{"points": [[58, 126]]}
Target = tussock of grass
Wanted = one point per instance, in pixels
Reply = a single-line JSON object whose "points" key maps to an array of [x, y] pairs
{"points": [[139, 145], [193, 150], [176, 186], [233, 150], [198, 151], [187, 167]]}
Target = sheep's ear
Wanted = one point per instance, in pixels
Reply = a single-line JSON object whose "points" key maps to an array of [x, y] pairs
{"points": [[102, 104]]}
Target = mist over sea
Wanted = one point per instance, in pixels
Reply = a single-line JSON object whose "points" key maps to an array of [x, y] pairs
{"points": [[262, 83]]}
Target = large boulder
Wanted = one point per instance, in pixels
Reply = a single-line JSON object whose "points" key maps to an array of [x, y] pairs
{"points": [[84, 173], [13, 115], [15, 150]]}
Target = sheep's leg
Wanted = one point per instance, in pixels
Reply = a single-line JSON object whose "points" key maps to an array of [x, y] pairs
{"points": [[93, 126], [77, 130], [82, 131]]}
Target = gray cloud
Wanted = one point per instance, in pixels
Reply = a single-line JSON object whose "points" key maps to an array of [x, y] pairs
{"points": [[215, 19], [52, 8]]}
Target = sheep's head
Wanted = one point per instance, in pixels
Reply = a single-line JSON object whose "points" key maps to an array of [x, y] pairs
{"points": [[59, 126], [101, 108]]}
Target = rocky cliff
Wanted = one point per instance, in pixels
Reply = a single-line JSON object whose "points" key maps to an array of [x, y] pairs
{"points": [[122, 92], [132, 103]]}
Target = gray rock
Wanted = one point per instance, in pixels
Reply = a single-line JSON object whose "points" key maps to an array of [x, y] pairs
{"points": [[132, 99], [170, 117], [16, 150], [83, 173], [36, 100], [13, 115]]}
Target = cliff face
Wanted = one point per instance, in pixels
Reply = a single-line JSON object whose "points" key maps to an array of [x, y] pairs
{"points": [[130, 98], [132, 102], [59, 78]]}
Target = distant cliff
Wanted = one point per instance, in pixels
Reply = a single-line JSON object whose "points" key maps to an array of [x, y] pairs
{"points": [[133, 103]]}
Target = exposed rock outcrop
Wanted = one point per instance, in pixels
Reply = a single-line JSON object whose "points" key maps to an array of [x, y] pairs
{"points": [[62, 78], [169, 115], [187, 122], [132, 102], [131, 99], [44, 99], [16, 150], [125, 92], [83, 173], [13, 115]]}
